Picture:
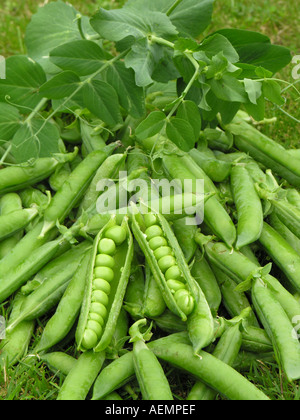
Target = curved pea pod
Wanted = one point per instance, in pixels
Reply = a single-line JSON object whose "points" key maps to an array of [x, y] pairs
{"points": [[9, 203], [279, 329], [67, 311], [285, 232], [293, 197], [149, 372], [265, 150], [288, 214], [60, 175], [170, 322], [14, 222], [181, 293], [81, 377], [256, 340], [217, 170], [204, 276], [134, 297], [49, 293], [248, 205], [283, 255], [153, 301], [15, 345], [240, 268], [185, 232], [16, 178], [106, 282], [59, 362], [226, 350], [120, 336]]}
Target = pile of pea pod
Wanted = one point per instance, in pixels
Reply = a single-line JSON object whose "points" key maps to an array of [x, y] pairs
{"points": [[133, 292]]}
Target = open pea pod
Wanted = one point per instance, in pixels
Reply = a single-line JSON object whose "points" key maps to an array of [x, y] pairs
{"points": [[106, 282]]}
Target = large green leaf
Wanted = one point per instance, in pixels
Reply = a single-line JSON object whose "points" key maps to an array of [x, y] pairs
{"points": [[180, 132], [10, 120], [35, 139], [102, 100], [190, 112], [115, 25], [82, 57], [61, 86], [152, 125], [217, 43], [23, 79], [131, 96], [53, 25], [255, 48]]}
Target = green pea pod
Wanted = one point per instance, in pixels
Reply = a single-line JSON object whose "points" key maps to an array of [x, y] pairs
{"points": [[248, 205], [208, 369], [59, 362], [283, 255], [288, 214], [16, 178], [233, 300], [226, 350], [33, 197], [279, 328], [293, 197], [14, 347], [170, 323], [153, 301], [108, 170], [16, 221], [285, 232], [240, 268], [120, 336], [181, 292], [9, 203], [256, 340], [204, 276], [217, 170], [185, 233], [264, 150], [106, 282], [81, 377], [67, 311], [183, 168], [149, 372], [121, 371], [60, 175], [73, 189], [134, 297], [49, 293]]}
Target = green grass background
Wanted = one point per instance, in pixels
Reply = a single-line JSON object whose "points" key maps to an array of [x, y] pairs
{"points": [[279, 19]]}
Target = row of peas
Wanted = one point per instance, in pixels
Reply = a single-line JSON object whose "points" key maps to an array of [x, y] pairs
{"points": [[168, 265], [101, 288]]}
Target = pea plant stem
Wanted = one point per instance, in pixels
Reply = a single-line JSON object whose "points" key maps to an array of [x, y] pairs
{"points": [[173, 7]]}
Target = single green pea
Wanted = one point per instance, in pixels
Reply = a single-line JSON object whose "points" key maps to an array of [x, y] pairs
{"points": [[94, 326], [157, 242], [173, 273], [101, 284], [90, 339], [100, 296], [104, 260], [166, 262], [150, 219], [107, 246], [185, 301], [95, 317], [175, 285], [98, 308], [162, 252], [117, 234], [104, 273], [153, 231]]}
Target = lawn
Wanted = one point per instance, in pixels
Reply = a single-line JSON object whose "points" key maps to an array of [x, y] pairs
{"points": [[276, 18]]}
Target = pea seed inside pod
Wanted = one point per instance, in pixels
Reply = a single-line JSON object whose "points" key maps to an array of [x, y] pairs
{"points": [[95, 317], [99, 309], [107, 246], [173, 273], [117, 234], [157, 242], [104, 273], [104, 260], [175, 285], [150, 219], [153, 231], [185, 301], [100, 296], [162, 252], [101, 284], [90, 339], [166, 262]]}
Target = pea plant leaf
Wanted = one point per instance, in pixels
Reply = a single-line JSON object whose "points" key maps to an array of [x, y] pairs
{"points": [[54, 24], [23, 79], [10, 120], [190, 112], [115, 25], [35, 138], [181, 132], [152, 125], [131, 96], [217, 43], [60, 86], [83, 57], [102, 100]]}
